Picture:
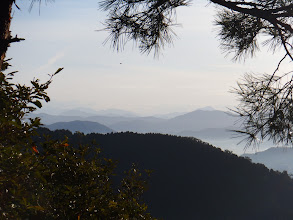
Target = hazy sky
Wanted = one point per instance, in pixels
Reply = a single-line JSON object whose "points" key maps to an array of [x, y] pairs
{"points": [[191, 73]]}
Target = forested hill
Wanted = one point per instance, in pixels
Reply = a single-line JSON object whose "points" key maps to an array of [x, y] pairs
{"points": [[194, 180]]}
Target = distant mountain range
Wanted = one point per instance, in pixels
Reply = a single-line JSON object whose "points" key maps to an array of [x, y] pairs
{"points": [[207, 124], [200, 120], [192, 121], [210, 125], [277, 158], [209, 133], [81, 126]]}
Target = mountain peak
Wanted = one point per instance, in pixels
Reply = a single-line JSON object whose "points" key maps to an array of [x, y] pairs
{"points": [[207, 108]]}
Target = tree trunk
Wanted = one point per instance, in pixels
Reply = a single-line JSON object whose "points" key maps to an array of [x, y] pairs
{"points": [[5, 20]]}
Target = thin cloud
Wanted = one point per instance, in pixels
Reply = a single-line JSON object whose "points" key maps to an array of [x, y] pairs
{"points": [[52, 60]]}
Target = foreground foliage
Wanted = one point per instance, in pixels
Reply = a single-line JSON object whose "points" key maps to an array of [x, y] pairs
{"points": [[54, 180], [67, 183], [265, 109], [16, 102]]}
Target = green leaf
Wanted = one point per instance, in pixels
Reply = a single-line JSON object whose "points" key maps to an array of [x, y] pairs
{"points": [[59, 70], [38, 103]]}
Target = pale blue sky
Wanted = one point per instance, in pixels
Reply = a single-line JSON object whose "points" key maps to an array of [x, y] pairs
{"points": [[192, 73]]}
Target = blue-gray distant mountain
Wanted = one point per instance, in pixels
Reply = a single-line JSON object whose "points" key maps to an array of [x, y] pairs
{"points": [[210, 133], [277, 158], [50, 119], [199, 120], [105, 120], [109, 120], [169, 115], [141, 125], [208, 125], [207, 108], [116, 113], [192, 121], [78, 112], [81, 126]]}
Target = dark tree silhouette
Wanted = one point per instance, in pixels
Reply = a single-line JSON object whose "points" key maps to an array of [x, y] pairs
{"points": [[149, 23], [5, 21]]}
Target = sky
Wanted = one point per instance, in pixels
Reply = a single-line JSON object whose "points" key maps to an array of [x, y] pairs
{"points": [[192, 73]]}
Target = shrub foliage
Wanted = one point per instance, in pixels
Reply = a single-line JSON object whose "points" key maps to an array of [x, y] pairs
{"points": [[54, 180]]}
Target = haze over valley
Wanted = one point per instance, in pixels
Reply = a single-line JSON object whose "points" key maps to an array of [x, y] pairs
{"points": [[207, 124]]}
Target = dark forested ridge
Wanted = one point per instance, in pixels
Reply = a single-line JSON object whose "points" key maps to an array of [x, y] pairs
{"points": [[194, 180]]}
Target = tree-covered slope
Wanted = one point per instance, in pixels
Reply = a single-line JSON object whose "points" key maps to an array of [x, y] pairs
{"points": [[194, 180]]}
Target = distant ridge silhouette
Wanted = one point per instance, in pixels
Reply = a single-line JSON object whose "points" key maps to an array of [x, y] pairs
{"points": [[81, 126]]}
